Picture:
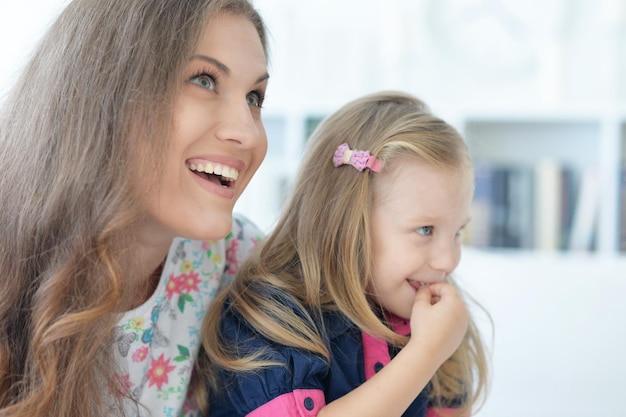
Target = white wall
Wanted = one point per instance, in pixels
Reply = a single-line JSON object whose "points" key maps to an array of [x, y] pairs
{"points": [[21, 25], [452, 53], [559, 332]]}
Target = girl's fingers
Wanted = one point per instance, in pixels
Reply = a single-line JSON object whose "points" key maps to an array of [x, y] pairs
{"points": [[434, 292], [424, 295], [440, 289]]}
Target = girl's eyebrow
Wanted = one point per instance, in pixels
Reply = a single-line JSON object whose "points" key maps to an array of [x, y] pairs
{"points": [[224, 68]]}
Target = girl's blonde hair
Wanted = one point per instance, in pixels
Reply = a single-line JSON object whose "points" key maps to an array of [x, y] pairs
{"points": [[319, 256], [97, 92]]}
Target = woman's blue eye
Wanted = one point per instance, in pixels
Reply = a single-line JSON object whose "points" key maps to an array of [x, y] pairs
{"points": [[425, 230], [255, 99], [204, 81]]}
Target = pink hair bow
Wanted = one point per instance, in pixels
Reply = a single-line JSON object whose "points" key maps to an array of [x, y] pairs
{"points": [[358, 159]]}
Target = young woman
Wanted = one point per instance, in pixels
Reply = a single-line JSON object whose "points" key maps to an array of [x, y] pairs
{"points": [[349, 308], [124, 146]]}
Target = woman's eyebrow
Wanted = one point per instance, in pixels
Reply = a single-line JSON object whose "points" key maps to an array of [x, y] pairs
{"points": [[221, 66], [224, 68]]}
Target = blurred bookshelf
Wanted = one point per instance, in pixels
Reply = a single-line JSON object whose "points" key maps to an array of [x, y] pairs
{"points": [[549, 182]]}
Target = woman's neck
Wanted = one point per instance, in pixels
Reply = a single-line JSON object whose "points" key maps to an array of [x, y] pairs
{"points": [[152, 283], [149, 258], [148, 261]]}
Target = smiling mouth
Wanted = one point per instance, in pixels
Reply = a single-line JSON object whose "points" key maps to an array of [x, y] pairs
{"points": [[418, 284], [223, 175]]}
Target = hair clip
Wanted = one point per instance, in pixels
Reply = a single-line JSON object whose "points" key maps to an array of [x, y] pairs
{"points": [[358, 159]]}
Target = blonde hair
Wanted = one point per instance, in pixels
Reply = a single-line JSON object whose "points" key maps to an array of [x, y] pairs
{"points": [[319, 256], [98, 89]]}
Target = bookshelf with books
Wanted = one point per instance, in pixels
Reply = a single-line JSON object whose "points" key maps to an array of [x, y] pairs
{"points": [[549, 182]]}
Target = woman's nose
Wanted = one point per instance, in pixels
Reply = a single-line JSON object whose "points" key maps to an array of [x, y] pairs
{"points": [[238, 123]]}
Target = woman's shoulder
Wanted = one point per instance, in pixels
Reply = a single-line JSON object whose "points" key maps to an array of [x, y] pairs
{"points": [[226, 255], [243, 229]]}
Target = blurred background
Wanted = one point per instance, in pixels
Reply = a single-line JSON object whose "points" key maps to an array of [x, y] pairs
{"points": [[538, 89]]}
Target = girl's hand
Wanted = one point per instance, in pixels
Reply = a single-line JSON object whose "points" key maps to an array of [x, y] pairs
{"points": [[439, 320]]}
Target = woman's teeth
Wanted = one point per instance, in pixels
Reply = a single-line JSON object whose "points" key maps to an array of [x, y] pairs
{"points": [[228, 173]]}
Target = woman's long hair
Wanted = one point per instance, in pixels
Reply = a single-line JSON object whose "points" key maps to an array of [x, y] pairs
{"points": [[319, 256], [97, 92]]}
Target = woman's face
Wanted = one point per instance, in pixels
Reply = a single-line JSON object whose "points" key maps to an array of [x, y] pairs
{"points": [[218, 139]]}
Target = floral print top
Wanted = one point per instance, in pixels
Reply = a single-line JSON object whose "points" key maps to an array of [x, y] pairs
{"points": [[158, 342]]}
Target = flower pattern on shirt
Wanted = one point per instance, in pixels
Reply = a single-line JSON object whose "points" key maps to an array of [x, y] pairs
{"points": [[157, 343], [159, 371]]}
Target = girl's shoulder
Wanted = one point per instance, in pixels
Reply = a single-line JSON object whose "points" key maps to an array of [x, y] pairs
{"points": [[294, 371]]}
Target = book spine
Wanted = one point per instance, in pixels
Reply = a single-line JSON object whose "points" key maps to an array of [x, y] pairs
{"points": [[622, 208]]}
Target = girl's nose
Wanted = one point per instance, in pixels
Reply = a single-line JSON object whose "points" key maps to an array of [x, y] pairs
{"points": [[445, 256]]}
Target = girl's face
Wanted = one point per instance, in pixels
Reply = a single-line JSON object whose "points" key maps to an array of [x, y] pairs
{"points": [[416, 225], [218, 139]]}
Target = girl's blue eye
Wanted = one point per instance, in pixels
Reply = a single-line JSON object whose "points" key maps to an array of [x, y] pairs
{"points": [[204, 81], [425, 230]]}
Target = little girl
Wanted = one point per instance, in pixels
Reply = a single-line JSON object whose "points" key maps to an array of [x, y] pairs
{"points": [[349, 308]]}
